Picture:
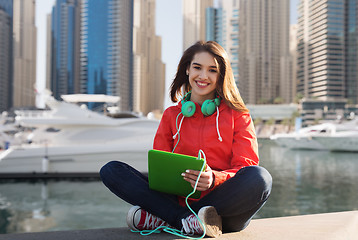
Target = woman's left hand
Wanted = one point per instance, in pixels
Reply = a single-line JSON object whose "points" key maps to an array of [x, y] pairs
{"points": [[205, 181]]}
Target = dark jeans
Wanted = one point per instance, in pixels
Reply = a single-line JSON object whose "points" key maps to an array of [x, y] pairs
{"points": [[236, 200]]}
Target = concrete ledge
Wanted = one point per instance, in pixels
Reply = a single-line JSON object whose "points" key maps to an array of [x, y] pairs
{"points": [[335, 226], [330, 226], [49, 175]]}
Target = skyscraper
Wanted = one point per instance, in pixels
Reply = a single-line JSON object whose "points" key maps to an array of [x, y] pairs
{"points": [[194, 21], [93, 49], [264, 58], [7, 6], [292, 91], [106, 49], [214, 25], [222, 26], [148, 68], [18, 53], [327, 50], [5, 60], [24, 53], [351, 50], [65, 35]]}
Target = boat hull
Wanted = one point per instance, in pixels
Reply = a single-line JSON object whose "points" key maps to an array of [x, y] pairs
{"points": [[347, 142], [70, 159], [298, 142]]}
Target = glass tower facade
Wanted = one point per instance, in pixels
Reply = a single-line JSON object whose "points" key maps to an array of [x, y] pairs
{"points": [[7, 6], [222, 26], [94, 47], [264, 54], [6, 59], [64, 47], [327, 50], [106, 49], [214, 25], [351, 51], [24, 53]]}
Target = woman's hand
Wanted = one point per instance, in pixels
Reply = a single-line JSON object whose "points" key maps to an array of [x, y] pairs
{"points": [[205, 181]]}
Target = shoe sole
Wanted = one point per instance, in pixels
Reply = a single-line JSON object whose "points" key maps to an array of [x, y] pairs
{"points": [[130, 217], [212, 221]]}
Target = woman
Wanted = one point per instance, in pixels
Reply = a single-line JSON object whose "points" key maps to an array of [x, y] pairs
{"points": [[213, 118]]}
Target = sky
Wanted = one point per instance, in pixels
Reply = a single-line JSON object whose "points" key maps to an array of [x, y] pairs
{"points": [[169, 26]]}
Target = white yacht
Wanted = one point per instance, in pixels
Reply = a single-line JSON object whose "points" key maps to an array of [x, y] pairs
{"points": [[8, 130], [72, 139], [302, 139], [342, 140], [310, 137]]}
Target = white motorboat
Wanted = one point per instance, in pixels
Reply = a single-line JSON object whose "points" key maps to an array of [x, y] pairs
{"points": [[307, 138], [72, 139], [342, 141], [302, 139], [7, 132]]}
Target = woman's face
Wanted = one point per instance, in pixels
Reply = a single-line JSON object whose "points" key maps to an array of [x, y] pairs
{"points": [[203, 75]]}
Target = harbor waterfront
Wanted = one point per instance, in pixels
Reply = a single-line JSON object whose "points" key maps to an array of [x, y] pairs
{"points": [[304, 182]]}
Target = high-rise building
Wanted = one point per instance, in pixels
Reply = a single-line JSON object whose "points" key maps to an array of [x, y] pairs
{"points": [[351, 50], [222, 26], [214, 27], [65, 48], [264, 58], [7, 6], [106, 49], [231, 33], [120, 79], [194, 21], [49, 63], [148, 68], [327, 50], [5, 60], [24, 53], [18, 53], [92, 50], [292, 86]]}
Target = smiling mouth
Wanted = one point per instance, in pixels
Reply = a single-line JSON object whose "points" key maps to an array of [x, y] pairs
{"points": [[202, 84]]}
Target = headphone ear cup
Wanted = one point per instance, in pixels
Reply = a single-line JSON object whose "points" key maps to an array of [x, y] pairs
{"points": [[188, 109], [208, 107], [203, 107]]}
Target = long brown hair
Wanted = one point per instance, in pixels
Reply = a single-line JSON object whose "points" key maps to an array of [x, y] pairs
{"points": [[226, 87]]}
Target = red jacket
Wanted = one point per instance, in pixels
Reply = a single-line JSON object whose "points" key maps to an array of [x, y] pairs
{"points": [[238, 147]]}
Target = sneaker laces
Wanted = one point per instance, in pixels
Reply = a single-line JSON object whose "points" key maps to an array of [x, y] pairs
{"points": [[191, 225], [152, 222]]}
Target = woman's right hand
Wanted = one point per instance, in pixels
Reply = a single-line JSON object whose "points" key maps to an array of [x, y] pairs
{"points": [[206, 178]]}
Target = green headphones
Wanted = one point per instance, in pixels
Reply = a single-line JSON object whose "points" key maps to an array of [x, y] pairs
{"points": [[209, 106]]}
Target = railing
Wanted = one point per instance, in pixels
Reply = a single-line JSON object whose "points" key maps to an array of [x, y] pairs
{"points": [[33, 114]]}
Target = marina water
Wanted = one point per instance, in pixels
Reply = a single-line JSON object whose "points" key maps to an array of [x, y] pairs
{"points": [[304, 182]]}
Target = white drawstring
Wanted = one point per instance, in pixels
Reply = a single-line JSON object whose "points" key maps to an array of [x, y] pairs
{"points": [[178, 129], [217, 123]]}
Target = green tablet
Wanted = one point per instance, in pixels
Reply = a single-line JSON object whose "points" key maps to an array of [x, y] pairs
{"points": [[165, 169]]}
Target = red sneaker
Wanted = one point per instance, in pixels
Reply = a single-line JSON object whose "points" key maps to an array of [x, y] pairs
{"points": [[138, 219], [209, 217]]}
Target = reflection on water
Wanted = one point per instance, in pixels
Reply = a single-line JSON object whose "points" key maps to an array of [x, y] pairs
{"points": [[308, 182], [58, 205], [305, 182]]}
